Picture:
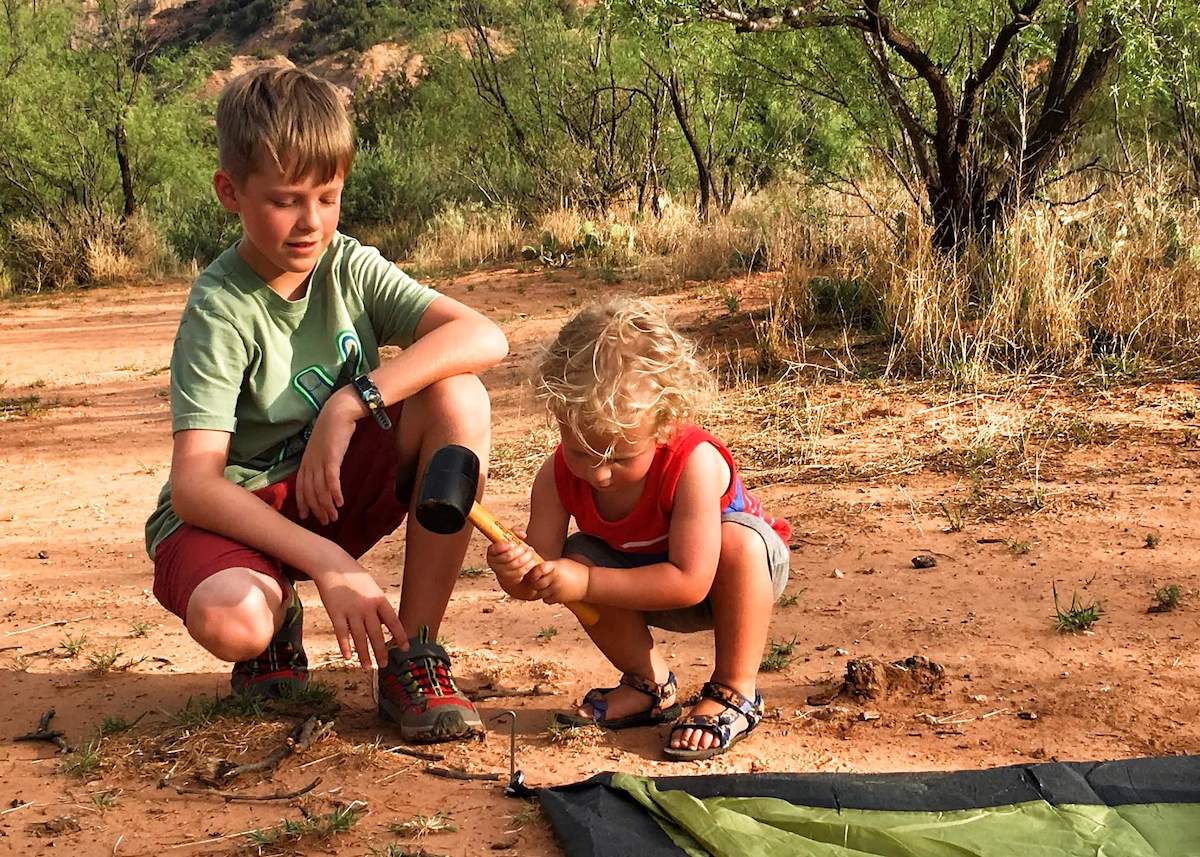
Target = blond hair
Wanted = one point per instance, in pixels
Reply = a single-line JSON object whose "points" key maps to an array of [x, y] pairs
{"points": [[617, 363], [287, 115]]}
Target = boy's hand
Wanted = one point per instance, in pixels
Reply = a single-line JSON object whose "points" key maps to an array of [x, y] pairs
{"points": [[560, 580], [319, 481], [359, 611], [511, 563]]}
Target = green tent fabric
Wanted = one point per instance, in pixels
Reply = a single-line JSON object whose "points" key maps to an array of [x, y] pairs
{"points": [[1132, 808], [769, 827]]}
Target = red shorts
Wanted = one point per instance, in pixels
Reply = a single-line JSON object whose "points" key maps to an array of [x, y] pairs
{"points": [[371, 511]]}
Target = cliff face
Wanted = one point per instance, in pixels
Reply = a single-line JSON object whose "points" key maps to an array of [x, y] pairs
{"points": [[277, 32]]}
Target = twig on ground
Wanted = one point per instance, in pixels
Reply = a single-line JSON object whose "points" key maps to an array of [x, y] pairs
{"points": [[236, 797], [301, 738], [10, 648], [416, 754], [192, 842], [459, 774], [53, 624], [17, 807], [44, 733], [503, 693]]}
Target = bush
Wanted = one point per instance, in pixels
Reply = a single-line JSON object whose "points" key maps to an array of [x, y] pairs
{"points": [[201, 231], [78, 249]]}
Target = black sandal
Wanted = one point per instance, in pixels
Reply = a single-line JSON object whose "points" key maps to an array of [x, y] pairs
{"points": [[597, 698], [720, 725]]}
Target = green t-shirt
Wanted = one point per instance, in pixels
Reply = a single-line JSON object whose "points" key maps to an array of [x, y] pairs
{"points": [[254, 364]]}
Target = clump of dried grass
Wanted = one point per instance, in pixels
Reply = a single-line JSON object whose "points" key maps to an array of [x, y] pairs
{"points": [[466, 237], [79, 248], [772, 430], [519, 459]]}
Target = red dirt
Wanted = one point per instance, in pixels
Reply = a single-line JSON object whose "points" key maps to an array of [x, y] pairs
{"points": [[1076, 505]]}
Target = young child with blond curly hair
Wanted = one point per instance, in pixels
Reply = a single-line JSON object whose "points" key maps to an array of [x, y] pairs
{"points": [[667, 534]]}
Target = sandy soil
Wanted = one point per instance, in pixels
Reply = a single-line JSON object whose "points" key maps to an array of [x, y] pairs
{"points": [[1011, 489]]}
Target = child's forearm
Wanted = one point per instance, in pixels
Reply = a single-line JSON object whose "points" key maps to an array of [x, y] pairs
{"points": [[661, 586], [222, 507], [463, 346]]}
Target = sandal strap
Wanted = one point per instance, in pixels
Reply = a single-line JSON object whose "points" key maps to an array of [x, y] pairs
{"points": [[720, 726], [662, 694], [752, 710]]}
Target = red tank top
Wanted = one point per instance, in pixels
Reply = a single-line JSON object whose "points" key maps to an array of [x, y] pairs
{"points": [[647, 527]]}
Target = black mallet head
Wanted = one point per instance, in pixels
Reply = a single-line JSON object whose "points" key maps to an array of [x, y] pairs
{"points": [[448, 490]]}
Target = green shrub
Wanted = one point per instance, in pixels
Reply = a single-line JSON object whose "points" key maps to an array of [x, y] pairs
{"points": [[201, 230]]}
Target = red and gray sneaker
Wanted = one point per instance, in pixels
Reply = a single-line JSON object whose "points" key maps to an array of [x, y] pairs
{"points": [[283, 667], [417, 692]]}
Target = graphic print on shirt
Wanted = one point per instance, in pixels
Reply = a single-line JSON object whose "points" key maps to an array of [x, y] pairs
{"points": [[314, 383]]}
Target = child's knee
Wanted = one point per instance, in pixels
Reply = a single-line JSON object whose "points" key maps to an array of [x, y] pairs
{"points": [[233, 626], [742, 550]]}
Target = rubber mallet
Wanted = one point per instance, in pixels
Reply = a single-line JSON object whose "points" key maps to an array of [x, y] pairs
{"points": [[446, 502]]}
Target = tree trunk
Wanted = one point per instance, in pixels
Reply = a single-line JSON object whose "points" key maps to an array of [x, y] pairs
{"points": [[703, 178], [122, 145]]}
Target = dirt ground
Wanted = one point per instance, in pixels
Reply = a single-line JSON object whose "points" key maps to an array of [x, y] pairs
{"points": [[1082, 484]]}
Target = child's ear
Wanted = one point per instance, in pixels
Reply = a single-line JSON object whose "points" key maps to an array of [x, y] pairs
{"points": [[227, 192]]}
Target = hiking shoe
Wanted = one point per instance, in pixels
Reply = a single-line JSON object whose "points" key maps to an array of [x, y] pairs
{"points": [[283, 666], [417, 692]]}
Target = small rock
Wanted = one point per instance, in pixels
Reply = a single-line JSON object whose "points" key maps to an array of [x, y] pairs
{"points": [[841, 653], [504, 844], [979, 697], [869, 715], [824, 647], [838, 573], [488, 610], [43, 555], [924, 560], [1027, 715]]}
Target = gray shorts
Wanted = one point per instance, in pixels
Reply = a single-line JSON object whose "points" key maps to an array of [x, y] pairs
{"points": [[698, 617]]}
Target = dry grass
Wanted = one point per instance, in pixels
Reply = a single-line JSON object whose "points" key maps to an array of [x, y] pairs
{"points": [[80, 249], [518, 459], [458, 238], [1061, 289]]}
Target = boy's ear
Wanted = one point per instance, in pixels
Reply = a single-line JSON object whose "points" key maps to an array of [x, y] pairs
{"points": [[226, 189]]}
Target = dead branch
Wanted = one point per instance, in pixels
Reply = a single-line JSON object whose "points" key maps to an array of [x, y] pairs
{"points": [[417, 754], [505, 693], [459, 774], [301, 738], [44, 733], [235, 797]]}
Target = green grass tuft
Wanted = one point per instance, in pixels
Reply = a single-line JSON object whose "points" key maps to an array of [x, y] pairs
{"points": [[778, 656], [1078, 617]]}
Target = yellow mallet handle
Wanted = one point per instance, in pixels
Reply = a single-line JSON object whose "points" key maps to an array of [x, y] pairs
{"points": [[497, 533]]}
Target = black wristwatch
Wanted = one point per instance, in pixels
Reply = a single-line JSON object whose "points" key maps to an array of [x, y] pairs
{"points": [[371, 397]]}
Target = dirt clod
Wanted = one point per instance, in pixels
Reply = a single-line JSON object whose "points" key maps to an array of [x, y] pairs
{"points": [[868, 678], [55, 826], [924, 560]]}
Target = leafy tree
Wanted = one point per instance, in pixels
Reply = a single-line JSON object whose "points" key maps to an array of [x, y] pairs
{"points": [[983, 96]]}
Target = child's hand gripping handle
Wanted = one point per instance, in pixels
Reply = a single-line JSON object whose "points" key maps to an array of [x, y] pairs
{"points": [[498, 533]]}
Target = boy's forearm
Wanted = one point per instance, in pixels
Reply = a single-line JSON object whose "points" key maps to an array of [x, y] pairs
{"points": [[230, 510], [661, 586], [458, 347]]}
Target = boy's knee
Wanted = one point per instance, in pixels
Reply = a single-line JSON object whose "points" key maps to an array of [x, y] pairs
{"points": [[462, 397], [235, 631]]}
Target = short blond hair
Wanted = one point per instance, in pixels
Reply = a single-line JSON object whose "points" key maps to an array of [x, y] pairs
{"points": [[617, 363], [287, 116]]}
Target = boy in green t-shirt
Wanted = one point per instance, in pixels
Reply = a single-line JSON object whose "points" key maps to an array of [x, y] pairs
{"points": [[295, 450]]}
